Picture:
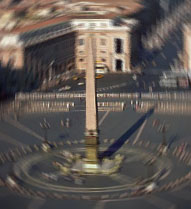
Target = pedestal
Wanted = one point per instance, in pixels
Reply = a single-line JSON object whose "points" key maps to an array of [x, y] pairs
{"points": [[91, 151]]}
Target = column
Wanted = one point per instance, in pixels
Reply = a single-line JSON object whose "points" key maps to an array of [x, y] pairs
{"points": [[91, 106]]}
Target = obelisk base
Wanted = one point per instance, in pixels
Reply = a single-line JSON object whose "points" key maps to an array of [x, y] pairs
{"points": [[105, 167], [92, 149]]}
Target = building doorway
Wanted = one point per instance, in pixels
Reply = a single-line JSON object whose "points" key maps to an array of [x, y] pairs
{"points": [[118, 65]]}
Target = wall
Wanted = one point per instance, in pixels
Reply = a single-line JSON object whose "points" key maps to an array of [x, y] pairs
{"points": [[60, 51], [12, 57], [106, 52]]}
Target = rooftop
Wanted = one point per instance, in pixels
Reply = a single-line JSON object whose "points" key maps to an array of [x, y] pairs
{"points": [[114, 2], [34, 18]]}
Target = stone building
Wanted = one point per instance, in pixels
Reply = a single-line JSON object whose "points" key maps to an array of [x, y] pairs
{"points": [[64, 44], [111, 42], [45, 47], [37, 50]]}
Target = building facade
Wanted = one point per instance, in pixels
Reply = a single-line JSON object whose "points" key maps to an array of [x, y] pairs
{"points": [[64, 45], [53, 45], [111, 45], [51, 57]]}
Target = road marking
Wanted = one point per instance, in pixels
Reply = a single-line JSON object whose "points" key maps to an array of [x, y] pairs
{"points": [[24, 128], [103, 118], [140, 132], [10, 140], [36, 204], [163, 55]]}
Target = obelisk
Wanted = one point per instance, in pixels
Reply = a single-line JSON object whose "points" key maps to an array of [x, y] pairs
{"points": [[91, 134]]}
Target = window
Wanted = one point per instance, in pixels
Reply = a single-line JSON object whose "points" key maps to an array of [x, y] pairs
{"points": [[118, 46], [81, 41], [92, 25], [81, 25], [103, 60], [103, 52], [81, 60], [103, 25], [103, 41]]}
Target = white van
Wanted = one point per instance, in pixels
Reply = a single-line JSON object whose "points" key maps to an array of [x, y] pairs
{"points": [[101, 69]]}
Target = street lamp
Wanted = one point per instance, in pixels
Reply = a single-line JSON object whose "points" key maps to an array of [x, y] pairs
{"points": [[45, 126], [65, 123], [51, 70], [144, 85], [62, 123], [162, 127], [50, 73], [18, 110], [150, 89]]}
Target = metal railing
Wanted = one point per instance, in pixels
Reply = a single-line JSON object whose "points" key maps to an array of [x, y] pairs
{"points": [[153, 96], [166, 107]]}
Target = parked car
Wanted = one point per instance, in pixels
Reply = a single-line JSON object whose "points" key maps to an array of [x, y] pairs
{"points": [[65, 88]]}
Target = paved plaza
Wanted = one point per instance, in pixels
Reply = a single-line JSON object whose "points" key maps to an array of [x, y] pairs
{"points": [[141, 142]]}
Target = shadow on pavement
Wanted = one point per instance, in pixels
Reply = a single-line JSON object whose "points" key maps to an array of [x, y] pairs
{"points": [[172, 140], [119, 142], [63, 136]]}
